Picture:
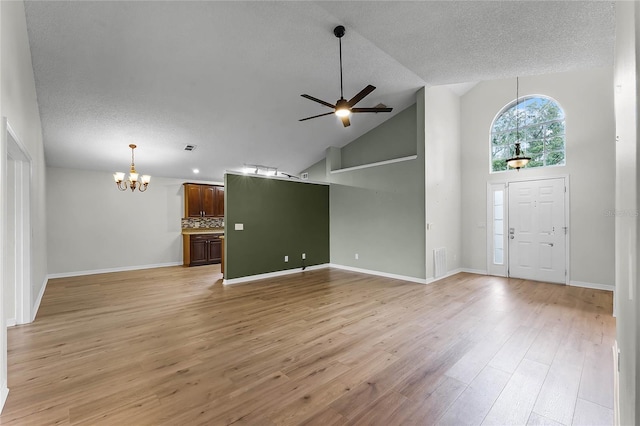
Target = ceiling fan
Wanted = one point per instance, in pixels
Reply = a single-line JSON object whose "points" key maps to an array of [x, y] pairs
{"points": [[344, 108]]}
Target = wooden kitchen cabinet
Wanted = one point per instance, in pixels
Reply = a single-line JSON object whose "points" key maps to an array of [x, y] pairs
{"points": [[203, 200], [199, 200], [201, 249], [219, 201]]}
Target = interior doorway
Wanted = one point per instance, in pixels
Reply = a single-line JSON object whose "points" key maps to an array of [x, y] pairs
{"points": [[17, 244], [527, 232]]}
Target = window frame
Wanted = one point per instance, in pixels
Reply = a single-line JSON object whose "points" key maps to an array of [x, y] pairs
{"points": [[519, 101]]}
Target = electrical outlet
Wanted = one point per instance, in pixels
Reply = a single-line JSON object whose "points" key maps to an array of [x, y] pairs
{"points": [[304, 256], [286, 258], [357, 256]]}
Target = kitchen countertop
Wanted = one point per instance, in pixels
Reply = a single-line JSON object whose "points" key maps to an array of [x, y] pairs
{"points": [[192, 231]]}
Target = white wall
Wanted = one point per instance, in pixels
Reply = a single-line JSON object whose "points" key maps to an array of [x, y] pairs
{"points": [[92, 226], [442, 171], [18, 103], [378, 212], [627, 206], [587, 99]]}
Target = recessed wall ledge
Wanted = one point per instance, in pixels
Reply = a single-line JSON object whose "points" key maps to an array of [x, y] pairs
{"points": [[376, 164]]}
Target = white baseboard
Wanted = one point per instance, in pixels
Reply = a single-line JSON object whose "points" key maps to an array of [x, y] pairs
{"points": [[380, 274], [4, 393], [250, 278], [594, 286], [475, 271], [447, 275], [108, 270], [36, 303], [11, 322]]}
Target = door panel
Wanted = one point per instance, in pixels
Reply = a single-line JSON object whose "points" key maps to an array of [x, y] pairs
{"points": [[194, 205], [208, 201], [545, 256], [536, 230], [524, 255]]}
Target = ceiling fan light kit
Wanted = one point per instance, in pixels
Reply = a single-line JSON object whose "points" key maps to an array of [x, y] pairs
{"points": [[343, 108]]}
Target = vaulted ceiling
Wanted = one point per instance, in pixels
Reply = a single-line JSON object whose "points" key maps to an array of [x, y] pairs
{"points": [[227, 76]]}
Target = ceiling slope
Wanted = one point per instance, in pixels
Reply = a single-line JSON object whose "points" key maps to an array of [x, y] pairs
{"points": [[227, 76]]}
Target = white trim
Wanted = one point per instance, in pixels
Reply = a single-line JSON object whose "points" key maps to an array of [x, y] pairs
{"points": [[379, 163], [108, 270], [3, 231], [272, 274], [11, 322], [36, 305], [474, 271], [4, 393], [616, 384], [594, 286], [615, 303], [380, 274], [21, 228], [447, 275]]}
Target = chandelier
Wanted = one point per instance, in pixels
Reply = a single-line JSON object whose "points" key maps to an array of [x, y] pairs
{"points": [[133, 182], [520, 160]]}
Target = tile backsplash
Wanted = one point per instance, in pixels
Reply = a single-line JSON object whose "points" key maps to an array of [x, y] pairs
{"points": [[202, 222]]}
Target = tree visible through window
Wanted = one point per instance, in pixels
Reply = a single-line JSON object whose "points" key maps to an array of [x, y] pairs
{"points": [[542, 133]]}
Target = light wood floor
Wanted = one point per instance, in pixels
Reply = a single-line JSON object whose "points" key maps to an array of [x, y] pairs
{"points": [[326, 347]]}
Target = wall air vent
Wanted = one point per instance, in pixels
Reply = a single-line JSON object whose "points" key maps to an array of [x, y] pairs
{"points": [[190, 147]]}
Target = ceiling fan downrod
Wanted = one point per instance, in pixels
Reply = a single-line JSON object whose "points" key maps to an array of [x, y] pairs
{"points": [[339, 32]]}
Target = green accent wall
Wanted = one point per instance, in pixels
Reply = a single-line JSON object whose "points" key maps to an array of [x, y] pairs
{"points": [[280, 218]]}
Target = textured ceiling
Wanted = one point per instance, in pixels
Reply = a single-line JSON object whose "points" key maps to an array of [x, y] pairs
{"points": [[227, 76]]}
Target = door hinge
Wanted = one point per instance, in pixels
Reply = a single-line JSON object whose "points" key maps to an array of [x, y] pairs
{"points": [[618, 360]]}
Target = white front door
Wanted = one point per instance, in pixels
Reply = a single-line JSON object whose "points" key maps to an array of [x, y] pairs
{"points": [[536, 234]]}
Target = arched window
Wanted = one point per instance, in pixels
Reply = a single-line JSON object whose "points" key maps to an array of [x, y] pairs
{"points": [[542, 136]]}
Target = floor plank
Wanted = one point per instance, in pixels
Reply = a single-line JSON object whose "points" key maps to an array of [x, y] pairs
{"points": [[590, 414], [476, 401], [173, 346], [514, 405]]}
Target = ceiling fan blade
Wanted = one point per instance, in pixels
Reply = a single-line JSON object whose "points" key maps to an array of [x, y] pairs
{"points": [[311, 98], [316, 116], [364, 92], [345, 121], [371, 109]]}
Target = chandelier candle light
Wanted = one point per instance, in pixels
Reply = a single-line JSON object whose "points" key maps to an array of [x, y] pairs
{"points": [[520, 160], [133, 182]]}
